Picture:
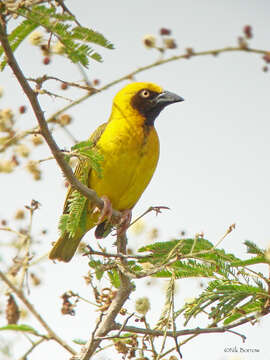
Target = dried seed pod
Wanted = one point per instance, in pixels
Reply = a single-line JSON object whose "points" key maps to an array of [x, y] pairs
{"points": [[12, 311]]}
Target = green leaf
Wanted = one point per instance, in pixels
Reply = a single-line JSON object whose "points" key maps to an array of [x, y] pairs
{"points": [[185, 248], [61, 26], [82, 144], [89, 35], [62, 226], [76, 205], [98, 267], [79, 341], [251, 307], [252, 248], [223, 297], [17, 36], [21, 327], [114, 278], [252, 261], [188, 269], [95, 158]]}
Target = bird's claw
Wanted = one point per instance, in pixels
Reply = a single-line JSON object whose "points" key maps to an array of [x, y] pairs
{"points": [[124, 222], [106, 212]]}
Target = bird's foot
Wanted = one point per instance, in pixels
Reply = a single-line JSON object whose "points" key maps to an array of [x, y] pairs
{"points": [[124, 222], [106, 212]]}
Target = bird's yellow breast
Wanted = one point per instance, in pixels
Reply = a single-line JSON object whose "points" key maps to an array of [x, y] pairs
{"points": [[131, 152]]}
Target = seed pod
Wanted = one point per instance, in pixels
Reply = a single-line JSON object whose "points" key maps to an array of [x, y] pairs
{"points": [[12, 311]]}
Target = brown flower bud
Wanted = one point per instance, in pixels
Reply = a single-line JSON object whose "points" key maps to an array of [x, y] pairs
{"points": [[242, 43], [165, 31], [46, 60], [19, 215], [149, 41], [266, 57], [35, 280], [64, 119], [45, 50], [170, 43], [22, 109], [248, 31], [96, 82], [64, 86]]}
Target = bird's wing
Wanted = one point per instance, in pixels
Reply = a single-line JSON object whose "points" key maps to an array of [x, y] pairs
{"points": [[85, 163]]}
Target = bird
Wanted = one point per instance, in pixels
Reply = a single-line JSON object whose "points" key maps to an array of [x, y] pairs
{"points": [[129, 145]]}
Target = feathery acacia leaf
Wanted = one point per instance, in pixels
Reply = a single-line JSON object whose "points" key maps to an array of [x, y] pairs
{"points": [[89, 35], [226, 296], [114, 278], [252, 248], [64, 28], [17, 36]]}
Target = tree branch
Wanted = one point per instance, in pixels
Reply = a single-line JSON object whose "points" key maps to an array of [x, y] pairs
{"points": [[195, 331], [43, 126], [141, 69], [108, 322]]}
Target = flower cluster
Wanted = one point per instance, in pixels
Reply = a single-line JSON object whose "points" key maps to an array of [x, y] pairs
{"points": [[165, 38]]}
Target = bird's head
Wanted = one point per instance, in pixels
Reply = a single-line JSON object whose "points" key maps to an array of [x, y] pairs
{"points": [[145, 99]]}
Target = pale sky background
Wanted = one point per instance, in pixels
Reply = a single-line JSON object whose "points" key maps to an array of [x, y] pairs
{"points": [[215, 150]]}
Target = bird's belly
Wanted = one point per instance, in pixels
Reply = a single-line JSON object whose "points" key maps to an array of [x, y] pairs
{"points": [[128, 167]]}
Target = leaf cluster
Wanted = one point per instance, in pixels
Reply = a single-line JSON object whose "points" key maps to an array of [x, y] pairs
{"points": [[235, 290], [75, 215], [87, 151], [63, 27]]}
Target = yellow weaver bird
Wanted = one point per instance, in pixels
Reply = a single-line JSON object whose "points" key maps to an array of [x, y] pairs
{"points": [[129, 145]]}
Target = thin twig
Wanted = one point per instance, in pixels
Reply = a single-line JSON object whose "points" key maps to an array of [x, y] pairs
{"points": [[158, 63], [237, 333], [151, 338], [35, 313], [109, 255], [157, 209], [34, 345], [65, 9], [195, 331], [173, 320], [120, 330]]}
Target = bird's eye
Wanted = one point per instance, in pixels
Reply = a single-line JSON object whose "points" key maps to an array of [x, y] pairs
{"points": [[145, 94]]}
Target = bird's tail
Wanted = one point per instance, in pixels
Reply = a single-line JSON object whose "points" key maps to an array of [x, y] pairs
{"points": [[65, 247]]}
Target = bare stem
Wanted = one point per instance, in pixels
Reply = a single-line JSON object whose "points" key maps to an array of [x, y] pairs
{"points": [[108, 322], [35, 313]]}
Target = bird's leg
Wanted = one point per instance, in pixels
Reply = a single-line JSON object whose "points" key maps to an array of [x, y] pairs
{"points": [[124, 221], [106, 212]]}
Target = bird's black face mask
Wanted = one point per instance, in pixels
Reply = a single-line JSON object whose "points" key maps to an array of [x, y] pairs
{"points": [[150, 103]]}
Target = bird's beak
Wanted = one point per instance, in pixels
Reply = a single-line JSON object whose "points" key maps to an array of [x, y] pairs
{"points": [[167, 98]]}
